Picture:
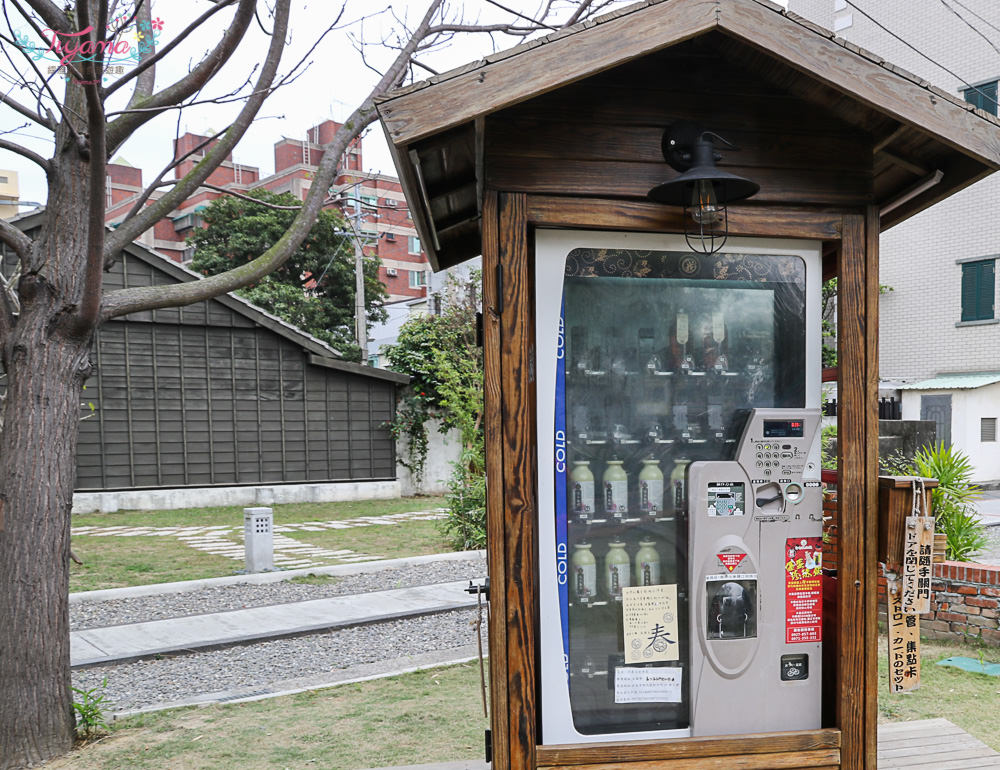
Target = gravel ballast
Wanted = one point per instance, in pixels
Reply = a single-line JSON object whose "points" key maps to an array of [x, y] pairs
{"points": [[145, 683], [240, 596]]}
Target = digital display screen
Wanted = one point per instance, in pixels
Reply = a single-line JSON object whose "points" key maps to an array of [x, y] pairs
{"points": [[782, 428]]}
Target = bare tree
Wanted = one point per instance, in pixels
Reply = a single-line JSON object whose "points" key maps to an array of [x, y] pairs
{"points": [[51, 308]]}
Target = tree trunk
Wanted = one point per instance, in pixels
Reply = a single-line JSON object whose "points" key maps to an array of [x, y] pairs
{"points": [[46, 366]]}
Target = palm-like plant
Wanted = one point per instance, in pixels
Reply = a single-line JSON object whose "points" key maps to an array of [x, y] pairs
{"points": [[953, 498]]}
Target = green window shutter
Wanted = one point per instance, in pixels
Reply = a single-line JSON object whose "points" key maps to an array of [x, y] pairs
{"points": [[983, 96], [987, 289], [978, 289]]}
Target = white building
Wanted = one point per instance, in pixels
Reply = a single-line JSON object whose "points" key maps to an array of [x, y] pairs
{"points": [[939, 337]]}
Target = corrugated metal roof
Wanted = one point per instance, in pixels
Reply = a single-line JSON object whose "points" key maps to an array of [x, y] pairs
{"points": [[964, 381]]}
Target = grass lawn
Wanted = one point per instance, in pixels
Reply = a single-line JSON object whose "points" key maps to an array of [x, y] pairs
{"points": [[411, 538], [233, 514], [434, 716], [427, 716], [971, 701], [115, 562]]}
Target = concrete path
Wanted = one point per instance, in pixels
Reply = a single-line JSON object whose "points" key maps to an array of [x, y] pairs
{"points": [[136, 640], [988, 507], [261, 578], [289, 553]]}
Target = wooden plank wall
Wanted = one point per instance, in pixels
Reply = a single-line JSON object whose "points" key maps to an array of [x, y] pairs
{"points": [[201, 395], [798, 154]]}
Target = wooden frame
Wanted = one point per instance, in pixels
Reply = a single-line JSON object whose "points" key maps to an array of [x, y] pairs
{"points": [[508, 222]]}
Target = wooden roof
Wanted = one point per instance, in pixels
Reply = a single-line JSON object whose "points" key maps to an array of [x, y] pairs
{"points": [[320, 353], [926, 144]]}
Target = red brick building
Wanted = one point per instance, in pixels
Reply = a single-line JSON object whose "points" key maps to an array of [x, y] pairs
{"points": [[383, 221]]}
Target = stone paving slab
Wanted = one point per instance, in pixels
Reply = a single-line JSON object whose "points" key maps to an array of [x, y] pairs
{"points": [[137, 640]]}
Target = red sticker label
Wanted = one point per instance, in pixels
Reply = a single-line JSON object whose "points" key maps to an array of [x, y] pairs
{"points": [[803, 589], [731, 560]]}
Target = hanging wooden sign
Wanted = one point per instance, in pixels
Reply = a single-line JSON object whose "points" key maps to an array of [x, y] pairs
{"points": [[904, 642], [918, 551]]}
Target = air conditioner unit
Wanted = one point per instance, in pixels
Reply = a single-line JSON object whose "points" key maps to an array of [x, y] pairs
{"points": [[391, 272], [391, 203], [390, 236]]}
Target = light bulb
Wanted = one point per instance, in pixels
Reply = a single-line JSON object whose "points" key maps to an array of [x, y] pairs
{"points": [[704, 205]]}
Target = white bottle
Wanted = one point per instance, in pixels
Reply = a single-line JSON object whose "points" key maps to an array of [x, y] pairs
{"points": [[647, 564], [584, 569], [615, 488], [651, 487], [581, 490], [617, 570]]}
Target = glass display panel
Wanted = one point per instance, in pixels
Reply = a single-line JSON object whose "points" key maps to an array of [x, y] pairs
{"points": [[664, 354], [782, 429]]}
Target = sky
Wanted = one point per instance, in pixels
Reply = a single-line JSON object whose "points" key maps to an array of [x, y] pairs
{"points": [[335, 82]]}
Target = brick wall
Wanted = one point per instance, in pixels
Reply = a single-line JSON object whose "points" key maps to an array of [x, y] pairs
{"points": [[965, 602], [965, 596]]}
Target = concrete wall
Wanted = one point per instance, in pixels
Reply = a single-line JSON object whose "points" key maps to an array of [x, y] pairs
{"points": [[442, 450], [172, 499], [967, 409], [919, 331]]}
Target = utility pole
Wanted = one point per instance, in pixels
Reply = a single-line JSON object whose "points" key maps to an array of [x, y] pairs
{"points": [[360, 316]]}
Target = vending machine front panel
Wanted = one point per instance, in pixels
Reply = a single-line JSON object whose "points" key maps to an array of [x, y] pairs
{"points": [[649, 359]]}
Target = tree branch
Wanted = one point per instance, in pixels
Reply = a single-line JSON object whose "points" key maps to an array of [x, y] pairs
{"points": [[31, 155], [17, 241], [150, 62], [132, 228], [34, 117], [144, 72], [82, 322], [51, 14], [137, 206], [235, 194], [122, 128], [124, 301], [41, 35]]}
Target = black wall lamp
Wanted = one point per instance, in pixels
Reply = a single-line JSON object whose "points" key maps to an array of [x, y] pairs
{"points": [[702, 189]]}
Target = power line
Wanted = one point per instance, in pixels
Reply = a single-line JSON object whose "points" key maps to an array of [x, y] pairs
{"points": [[920, 53], [970, 25], [987, 22]]}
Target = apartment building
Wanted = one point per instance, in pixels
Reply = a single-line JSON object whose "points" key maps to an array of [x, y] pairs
{"points": [[9, 194], [939, 336], [372, 203]]}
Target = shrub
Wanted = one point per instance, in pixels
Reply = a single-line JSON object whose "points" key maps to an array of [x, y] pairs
{"points": [[465, 526], [953, 500]]}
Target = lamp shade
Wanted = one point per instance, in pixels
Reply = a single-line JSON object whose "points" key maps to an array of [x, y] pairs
{"points": [[728, 187]]}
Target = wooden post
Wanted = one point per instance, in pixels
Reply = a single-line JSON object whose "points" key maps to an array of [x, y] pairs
{"points": [[517, 398], [495, 539], [857, 433]]}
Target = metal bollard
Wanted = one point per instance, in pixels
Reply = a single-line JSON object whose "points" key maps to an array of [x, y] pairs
{"points": [[258, 531]]}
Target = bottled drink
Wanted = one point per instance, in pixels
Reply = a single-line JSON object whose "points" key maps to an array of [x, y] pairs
{"points": [[715, 343], [647, 564], [679, 338], [615, 488], [584, 567], [581, 489], [678, 483], [651, 487], [617, 569]]}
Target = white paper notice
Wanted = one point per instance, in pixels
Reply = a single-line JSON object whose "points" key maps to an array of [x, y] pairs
{"points": [[650, 623], [647, 685]]}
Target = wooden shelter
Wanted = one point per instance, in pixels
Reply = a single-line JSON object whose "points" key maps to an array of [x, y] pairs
{"points": [[565, 132]]}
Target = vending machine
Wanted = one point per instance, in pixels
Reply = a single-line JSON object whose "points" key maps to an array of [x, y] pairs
{"points": [[679, 508]]}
